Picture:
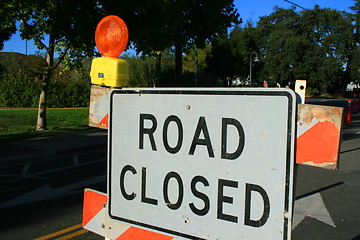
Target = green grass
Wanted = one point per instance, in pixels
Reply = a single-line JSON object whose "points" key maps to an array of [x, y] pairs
{"points": [[16, 124]]}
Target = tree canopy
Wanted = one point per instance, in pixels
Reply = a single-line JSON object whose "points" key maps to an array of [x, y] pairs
{"points": [[7, 22], [319, 45], [156, 25]]}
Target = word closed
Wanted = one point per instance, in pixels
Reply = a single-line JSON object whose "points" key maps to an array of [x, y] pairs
{"points": [[201, 130]]}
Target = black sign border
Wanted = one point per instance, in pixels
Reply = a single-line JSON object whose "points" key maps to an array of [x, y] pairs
{"points": [[242, 92]]}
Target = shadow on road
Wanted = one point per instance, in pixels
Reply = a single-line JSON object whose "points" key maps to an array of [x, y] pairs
{"points": [[41, 178]]}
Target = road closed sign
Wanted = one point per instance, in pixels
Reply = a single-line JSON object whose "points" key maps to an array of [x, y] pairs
{"points": [[203, 163]]}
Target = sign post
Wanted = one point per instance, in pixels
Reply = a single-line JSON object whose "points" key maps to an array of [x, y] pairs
{"points": [[203, 163]]}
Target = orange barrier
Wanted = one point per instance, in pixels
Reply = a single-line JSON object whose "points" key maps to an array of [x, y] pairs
{"points": [[318, 135], [96, 219]]}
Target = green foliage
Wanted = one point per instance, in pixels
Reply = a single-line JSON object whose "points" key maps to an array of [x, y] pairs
{"points": [[281, 43], [69, 94], [230, 54], [7, 22], [194, 65], [20, 83], [318, 45], [141, 71], [18, 90], [64, 27], [21, 91], [331, 40], [154, 24], [32, 65], [19, 79], [157, 25], [167, 70]]}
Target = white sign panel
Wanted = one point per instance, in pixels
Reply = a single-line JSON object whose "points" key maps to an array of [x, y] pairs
{"points": [[203, 163]]}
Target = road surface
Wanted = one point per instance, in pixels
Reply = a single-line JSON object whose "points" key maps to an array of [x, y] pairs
{"points": [[327, 202]]}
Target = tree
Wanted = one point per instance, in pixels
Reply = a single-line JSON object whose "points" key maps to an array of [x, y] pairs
{"points": [[230, 54], [199, 21], [281, 44], [331, 35], [356, 18], [7, 23], [195, 62], [353, 66], [62, 27], [221, 62], [156, 25], [312, 44], [243, 42]]}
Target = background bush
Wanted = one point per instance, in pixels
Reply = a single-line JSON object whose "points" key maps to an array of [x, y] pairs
{"points": [[18, 90], [20, 83]]}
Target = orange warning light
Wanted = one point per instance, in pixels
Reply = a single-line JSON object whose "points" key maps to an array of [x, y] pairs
{"points": [[111, 36]]}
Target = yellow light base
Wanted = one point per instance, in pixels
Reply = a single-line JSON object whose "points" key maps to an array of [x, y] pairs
{"points": [[110, 72]]}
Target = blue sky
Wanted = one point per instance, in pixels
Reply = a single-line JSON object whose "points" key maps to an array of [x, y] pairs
{"points": [[250, 10]]}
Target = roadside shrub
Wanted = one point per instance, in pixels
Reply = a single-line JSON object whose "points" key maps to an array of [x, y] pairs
{"points": [[21, 90], [18, 90], [141, 72], [69, 94]]}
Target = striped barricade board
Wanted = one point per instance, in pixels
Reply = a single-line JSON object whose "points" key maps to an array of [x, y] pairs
{"points": [[200, 163], [318, 128]]}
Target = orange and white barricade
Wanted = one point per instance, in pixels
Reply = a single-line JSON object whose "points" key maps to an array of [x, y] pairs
{"points": [[96, 219]]}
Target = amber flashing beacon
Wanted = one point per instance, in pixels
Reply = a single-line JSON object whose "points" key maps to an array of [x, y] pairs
{"points": [[111, 38]]}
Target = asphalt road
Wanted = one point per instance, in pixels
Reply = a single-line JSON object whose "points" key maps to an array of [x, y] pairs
{"points": [[327, 202], [330, 200], [42, 183], [51, 177]]}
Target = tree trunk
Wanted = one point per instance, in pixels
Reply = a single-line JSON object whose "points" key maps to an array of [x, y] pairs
{"points": [[178, 56], [41, 119]]}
